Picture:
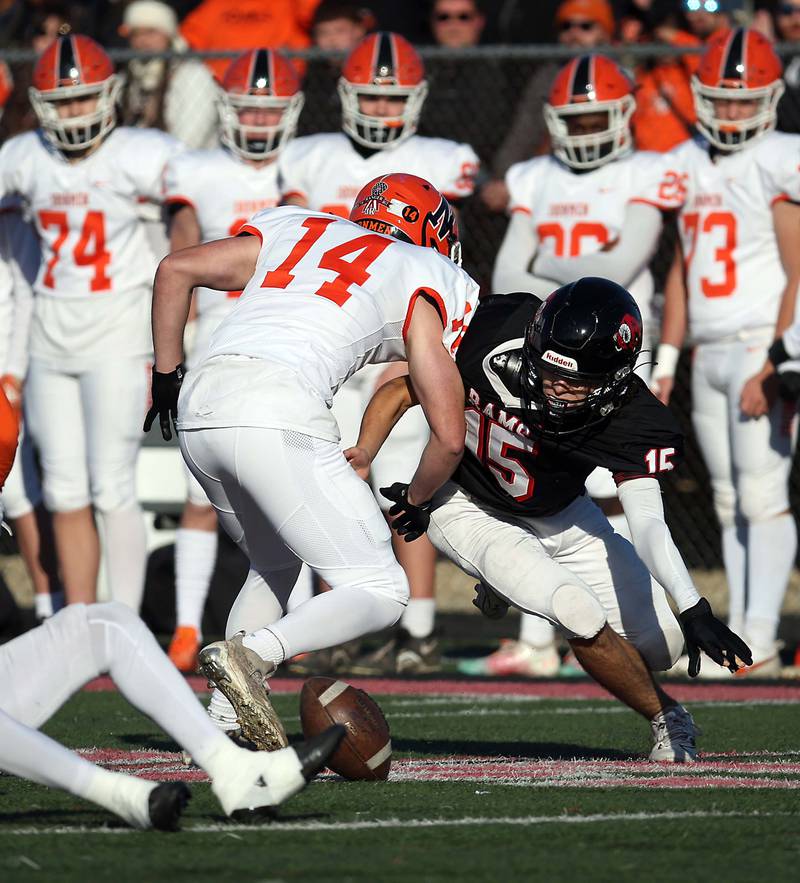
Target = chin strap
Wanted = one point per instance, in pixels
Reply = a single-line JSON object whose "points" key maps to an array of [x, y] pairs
{"points": [[508, 367]]}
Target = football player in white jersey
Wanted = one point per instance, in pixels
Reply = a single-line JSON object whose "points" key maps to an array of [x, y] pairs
{"points": [[82, 179], [322, 297], [736, 292], [211, 194], [592, 207], [382, 90]]}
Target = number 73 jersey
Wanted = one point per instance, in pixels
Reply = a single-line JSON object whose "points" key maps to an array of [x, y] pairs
{"points": [[328, 297], [734, 275]]}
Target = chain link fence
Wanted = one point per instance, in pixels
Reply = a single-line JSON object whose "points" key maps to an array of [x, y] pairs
{"points": [[475, 96]]}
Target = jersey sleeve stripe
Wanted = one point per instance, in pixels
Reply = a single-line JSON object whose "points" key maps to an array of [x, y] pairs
{"points": [[432, 297], [661, 206], [521, 208], [254, 231], [294, 193], [177, 199], [781, 197]]}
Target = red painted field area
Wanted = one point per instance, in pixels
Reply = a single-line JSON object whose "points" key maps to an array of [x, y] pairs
{"points": [[731, 772]]}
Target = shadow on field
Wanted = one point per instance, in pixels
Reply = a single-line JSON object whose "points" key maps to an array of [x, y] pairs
{"points": [[148, 741], [531, 750]]}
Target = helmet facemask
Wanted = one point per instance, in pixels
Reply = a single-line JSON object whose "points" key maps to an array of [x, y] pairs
{"points": [[257, 142], [590, 151], [733, 135], [78, 133], [378, 132]]}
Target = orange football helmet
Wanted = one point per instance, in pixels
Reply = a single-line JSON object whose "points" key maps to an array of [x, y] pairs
{"points": [[410, 209], [590, 84], [383, 65], [738, 65], [259, 80], [74, 66], [6, 85]]}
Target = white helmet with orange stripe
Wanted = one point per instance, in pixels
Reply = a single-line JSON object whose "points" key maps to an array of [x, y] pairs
{"points": [[74, 67], [383, 65], [259, 104], [738, 66], [591, 84]]}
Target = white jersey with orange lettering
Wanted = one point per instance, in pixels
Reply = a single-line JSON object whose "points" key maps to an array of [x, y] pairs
{"points": [[576, 214], [225, 192], [734, 276], [97, 268], [327, 171], [326, 298]]}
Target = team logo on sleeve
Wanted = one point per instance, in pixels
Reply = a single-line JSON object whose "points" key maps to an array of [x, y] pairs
{"points": [[629, 335]]}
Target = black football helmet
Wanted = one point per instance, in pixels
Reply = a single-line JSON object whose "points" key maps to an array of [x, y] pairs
{"points": [[588, 331]]}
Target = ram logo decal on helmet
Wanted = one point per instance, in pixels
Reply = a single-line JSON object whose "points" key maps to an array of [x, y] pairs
{"points": [[629, 335]]}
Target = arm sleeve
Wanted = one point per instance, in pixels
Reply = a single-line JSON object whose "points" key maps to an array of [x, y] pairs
{"points": [[644, 510], [778, 162], [512, 265], [637, 243]]}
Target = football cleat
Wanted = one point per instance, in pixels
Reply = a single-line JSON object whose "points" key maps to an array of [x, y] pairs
{"points": [[400, 654], [183, 649], [515, 658], [254, 780], [674, 734], [570, 667], [166, 804], [241, 674]]}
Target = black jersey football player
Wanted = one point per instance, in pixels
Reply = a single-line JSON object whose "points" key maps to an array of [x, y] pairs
{"points": [[550, 394]]}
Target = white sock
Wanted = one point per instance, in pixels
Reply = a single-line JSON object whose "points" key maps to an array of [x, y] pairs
{"points": [[267, 644], [734, 556], [771, 550], [125, 553], [32, 755], [43, 605], [195, 557], [537, 632], [620, 524], [222, 712], [417, 618]]}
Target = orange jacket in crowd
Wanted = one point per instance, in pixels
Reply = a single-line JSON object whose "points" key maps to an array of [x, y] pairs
{"points": [[248, 24], [9, 432], [664, 106]]}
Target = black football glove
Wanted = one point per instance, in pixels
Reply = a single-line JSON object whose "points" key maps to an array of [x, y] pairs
{"points": [[703, 631], [410, 521], [165, 391], [490, 604]]}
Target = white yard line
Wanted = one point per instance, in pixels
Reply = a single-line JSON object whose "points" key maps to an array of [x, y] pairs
{"points": [[380, 824]]}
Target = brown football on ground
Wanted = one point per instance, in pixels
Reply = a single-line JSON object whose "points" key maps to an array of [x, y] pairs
{"points": [[365, 753]]}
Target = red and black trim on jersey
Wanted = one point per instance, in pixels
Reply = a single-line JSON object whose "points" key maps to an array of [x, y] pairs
{"points": [[507, 464]]}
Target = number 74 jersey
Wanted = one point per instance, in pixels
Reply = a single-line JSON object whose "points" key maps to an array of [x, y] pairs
{"points": [[329, 297], [733, 270]]}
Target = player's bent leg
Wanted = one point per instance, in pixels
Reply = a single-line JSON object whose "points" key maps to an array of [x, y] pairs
{"points": [[54, 417], [114, 399], [508, 556]]}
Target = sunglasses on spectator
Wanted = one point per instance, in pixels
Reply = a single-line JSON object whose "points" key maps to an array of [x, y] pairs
{"points": [[579, 25], [454, 16], [704, 5], [788, 9]]}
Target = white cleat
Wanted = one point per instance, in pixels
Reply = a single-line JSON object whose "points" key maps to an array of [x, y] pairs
{"points": [[674, 734], [251, 780], [241, 674]]}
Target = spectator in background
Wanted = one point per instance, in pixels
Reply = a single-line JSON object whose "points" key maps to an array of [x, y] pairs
{"points": [[457, 24], [337, 26], [175, 95], [706, 17], [787, 30], [582, 24], [248, 24]]}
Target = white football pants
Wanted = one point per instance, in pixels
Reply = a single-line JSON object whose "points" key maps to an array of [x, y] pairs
{"points": [[287, 498], [570, 568]]}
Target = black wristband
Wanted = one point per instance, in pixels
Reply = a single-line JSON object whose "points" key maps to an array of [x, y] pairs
{"points": [[777, 353]]}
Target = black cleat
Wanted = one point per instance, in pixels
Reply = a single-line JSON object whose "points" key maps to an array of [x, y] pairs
{"points": [[166, 803], [314, 753]]}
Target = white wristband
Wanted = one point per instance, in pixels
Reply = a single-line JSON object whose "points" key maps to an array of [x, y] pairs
{"points": [[666, 361]]}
